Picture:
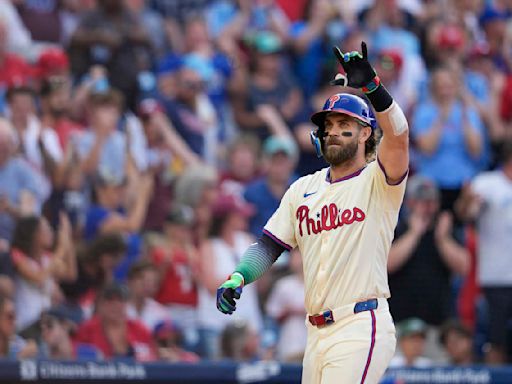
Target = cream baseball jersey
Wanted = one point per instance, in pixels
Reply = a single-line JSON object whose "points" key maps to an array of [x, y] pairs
{"points": [[344, 230]]}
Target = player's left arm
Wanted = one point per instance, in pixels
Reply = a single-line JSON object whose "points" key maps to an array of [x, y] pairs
{"points": [[393, 151]]}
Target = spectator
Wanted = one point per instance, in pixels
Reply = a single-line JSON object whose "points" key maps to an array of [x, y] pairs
{"points": [[423, 257], [14, 70], [55, 108], [177, 261], [102, 146], [423, 260], [193, 115], [242, 165], [310, 44], [13, 346], [38, 144], [111, 36], [97, 261], [168, 339], [457, 340], [286, 305], [20, 189], [112, 212], [239, 342], [152, 22], [269, 84], [58, 325], [197, 188], [37, 269], [486, 201], [143, 285], [411, 335], [168, 154], [112, 332], [266, 193], [219, 256], [449, 137]]}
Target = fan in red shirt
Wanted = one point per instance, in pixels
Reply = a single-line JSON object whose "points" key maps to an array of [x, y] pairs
{"points": [[176, 258], [14, 70], [112, 332]]}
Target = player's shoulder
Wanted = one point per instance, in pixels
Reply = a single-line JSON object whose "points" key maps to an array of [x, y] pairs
{"points": [[307, 181]]}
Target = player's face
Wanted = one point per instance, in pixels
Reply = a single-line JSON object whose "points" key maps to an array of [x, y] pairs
{"points": [[340, 139]]}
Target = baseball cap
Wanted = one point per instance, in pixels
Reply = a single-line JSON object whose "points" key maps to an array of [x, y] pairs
{"points": [[148, 106], [105, 177], [164, 329], [391, 59], [114, 291], [169, 64], [450, 36], [180, 214], [411, 326], [50, 61], [231, 203], [491, 14], [421, 188], [266, 42], [276, 144], [62, 312]]}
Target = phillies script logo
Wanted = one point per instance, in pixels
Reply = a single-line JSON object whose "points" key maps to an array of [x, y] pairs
{"points": [[330, 217]]}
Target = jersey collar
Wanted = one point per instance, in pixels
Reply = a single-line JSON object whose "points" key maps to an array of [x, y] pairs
{"points": [[354, 174]]}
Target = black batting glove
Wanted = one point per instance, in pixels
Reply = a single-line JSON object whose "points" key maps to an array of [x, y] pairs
{"points": [[359, 71]]}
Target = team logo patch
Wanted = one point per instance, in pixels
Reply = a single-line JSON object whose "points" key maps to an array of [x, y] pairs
{"points": [[332, 100]]}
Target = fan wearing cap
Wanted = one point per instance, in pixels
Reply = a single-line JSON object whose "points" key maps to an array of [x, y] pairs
{"points": [[58, 325], [112, 332], [169, 338], [412, 333], [342, 220]]}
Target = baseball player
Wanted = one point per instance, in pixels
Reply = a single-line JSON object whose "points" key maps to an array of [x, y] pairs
{"points": [[342, 220]]}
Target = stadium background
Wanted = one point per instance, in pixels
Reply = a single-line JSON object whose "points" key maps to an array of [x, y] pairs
{"points": [[143, 145]]}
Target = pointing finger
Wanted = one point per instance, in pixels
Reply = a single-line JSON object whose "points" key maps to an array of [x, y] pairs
{"points": [[364, 50]]}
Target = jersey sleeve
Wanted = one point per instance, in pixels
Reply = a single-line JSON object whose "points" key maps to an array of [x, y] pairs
{"points": [[280, 225], [390, 195]]}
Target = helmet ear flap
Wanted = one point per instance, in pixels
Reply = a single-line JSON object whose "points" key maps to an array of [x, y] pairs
{"points": [[316, 141]]}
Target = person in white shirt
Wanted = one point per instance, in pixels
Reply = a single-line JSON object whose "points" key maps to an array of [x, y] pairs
{"points": [[488, 202], [286, 306]]}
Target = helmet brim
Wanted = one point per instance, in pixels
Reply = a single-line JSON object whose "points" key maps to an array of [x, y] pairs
{"points": [[318, 118]]}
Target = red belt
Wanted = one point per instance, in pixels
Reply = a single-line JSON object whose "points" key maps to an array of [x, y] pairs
{"points": [[327, 317]]}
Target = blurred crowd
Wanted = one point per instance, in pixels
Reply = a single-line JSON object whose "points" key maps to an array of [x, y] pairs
{"points": [[144, 144]]}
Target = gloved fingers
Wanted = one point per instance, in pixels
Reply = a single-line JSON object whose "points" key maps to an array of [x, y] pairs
{"points": [[221, 306], [237, 293], [340, 80], [338, 54], [228, 296], [364, 50]]}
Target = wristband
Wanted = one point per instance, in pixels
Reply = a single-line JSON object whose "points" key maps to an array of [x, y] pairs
{"points": [[372, 85], [238, 274]]}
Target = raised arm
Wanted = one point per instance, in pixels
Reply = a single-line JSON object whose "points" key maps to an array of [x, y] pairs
{"points": [[393, 152]]}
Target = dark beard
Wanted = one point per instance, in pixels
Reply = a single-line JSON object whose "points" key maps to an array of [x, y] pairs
{"points": [[339, 155]]}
